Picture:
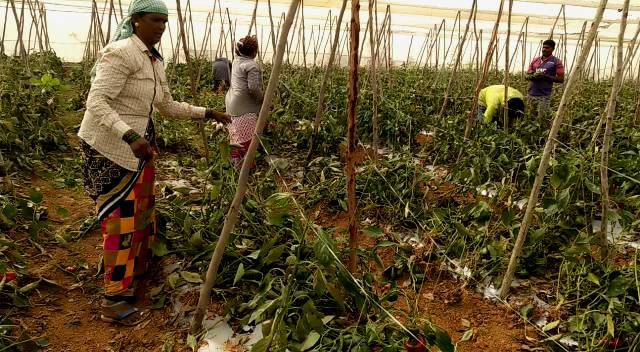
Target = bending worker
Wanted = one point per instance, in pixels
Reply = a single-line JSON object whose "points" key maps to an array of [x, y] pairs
{"points": [[491, 104]]}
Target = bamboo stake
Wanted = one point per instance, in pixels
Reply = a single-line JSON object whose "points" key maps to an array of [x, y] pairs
{"points": [[273, 35], [21, 32], [4, 27], [324, 48], [192, 74], [546, 155], [608, 135], [409, 53], [325, 81], [19, 42], [304, 43], [555, 23], [120, 6], [232, 214], [232, 34], [351, 134], [253, 18], [45, 26], [506, 68], [627, 62], [474, 9], [374, 82], [34, 22], [483, 77], [109, 20]]}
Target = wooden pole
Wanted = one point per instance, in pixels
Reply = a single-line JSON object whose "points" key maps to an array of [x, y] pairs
{"points": [[483, 77], [192, 73], [608, 135], [555, 23], [4, 27], [111, 8], [243, 179], [474, 9], [253, 18], [325, 81], [374, 81], [546, 155], [351, 134], [506, 68], [304, 42], [19, 42], [273, 35]]}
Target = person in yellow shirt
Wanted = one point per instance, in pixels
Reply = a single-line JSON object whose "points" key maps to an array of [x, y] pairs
{"points": [[491, 104]]}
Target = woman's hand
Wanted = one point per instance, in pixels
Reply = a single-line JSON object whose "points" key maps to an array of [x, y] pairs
{"points": [[142, 149], [218, 117]]}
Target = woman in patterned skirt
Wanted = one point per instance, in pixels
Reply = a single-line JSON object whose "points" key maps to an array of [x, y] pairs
{"points": [[118, 142], [244, 98]]}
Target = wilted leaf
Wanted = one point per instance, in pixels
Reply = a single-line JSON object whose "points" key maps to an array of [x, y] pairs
{"points": [[552, 325], [193, 278], [239, 274], [192, 343], [467, 336], [159, 248]]}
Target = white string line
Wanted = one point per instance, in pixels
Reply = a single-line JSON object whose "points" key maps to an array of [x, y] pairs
{"points": [[341, 265], [328, 247], [450, 260]]}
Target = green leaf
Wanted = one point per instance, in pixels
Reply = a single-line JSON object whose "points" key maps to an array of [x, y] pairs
{"points": [[382, 244], [262, 345], [274, 254], [591, 187], [36, 196], [159, 248], [373, 232], [611, 329], [193, 278], [618, 286], [62, 211], [526, 310], [239, 274], [256, 316], [310, 341], [593, 278]]}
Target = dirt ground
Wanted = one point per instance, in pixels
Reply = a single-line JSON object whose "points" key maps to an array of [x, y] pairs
{"points": [[68, 315]]}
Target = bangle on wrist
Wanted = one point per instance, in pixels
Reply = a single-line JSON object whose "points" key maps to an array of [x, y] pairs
{"points": [[131, 136]]}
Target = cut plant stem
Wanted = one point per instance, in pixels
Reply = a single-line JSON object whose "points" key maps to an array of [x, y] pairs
{"points": [[243, 179], [546, 154]]}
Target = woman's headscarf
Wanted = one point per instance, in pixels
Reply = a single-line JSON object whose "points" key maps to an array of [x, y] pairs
{"points": [[125, 29]]}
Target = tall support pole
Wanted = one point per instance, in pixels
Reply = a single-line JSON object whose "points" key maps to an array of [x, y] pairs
{"points": [[485, 69], [273, 35], [4, 27], [474, 9], [243, 179], [546, 155], [608, 134], [193, 75], [506, 68], [325, 81], [253, 18], [19, 42], [374, 81], [111, 8], [351, 134]]}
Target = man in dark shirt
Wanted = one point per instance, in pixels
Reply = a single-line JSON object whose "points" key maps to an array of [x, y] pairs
{"points": [[543, 72], [221, 73]]}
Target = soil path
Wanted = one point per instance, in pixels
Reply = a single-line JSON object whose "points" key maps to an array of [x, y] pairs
{"points": [[68, 316]]}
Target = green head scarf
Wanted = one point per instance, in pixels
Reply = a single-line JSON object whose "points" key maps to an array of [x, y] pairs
{"points": [[125, 29]]}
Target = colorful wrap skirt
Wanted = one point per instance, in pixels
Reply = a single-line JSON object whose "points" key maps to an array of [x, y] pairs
{"points": [[125, 204], [241, 132]]}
